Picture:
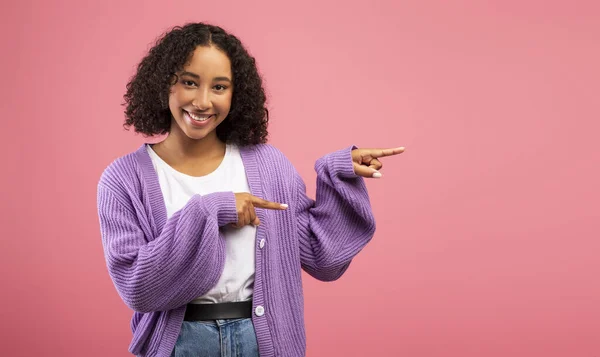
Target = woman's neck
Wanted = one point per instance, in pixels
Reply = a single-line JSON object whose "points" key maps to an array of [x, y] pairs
{"points": [[180, 151]]}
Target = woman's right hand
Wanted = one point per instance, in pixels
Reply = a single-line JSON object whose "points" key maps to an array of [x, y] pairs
{"points": [[245, 204]]}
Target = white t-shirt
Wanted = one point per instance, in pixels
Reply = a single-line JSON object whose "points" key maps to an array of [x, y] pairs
{"points": [[237, 281]]}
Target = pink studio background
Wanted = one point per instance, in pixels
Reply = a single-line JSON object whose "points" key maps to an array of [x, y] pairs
{"points": [[488, 226]]}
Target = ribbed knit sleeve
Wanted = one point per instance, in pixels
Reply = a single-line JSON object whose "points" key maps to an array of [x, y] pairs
{"points": [[183, 262], [339, 223]]}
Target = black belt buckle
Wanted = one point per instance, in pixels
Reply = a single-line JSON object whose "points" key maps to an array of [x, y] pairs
{"points": [[218, 311]]}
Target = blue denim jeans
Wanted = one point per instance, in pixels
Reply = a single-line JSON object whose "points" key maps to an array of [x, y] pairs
{"points": [[218, 338]]}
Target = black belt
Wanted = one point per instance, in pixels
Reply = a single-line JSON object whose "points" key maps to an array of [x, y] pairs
{"points": [[220, 311]]}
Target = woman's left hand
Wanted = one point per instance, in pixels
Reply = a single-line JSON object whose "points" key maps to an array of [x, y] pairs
{"points": [[366, 161]]}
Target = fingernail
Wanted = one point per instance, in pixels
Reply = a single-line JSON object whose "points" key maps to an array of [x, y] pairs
{"points": [[283, 205], [376, 175]]}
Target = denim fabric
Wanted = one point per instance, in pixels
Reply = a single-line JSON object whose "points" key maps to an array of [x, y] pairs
{"points": [[218, 338]]}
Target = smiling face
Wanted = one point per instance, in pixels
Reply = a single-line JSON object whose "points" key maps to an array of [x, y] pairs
{"points": [[201, 98]]}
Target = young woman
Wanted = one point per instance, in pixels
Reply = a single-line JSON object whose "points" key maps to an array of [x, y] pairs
{"points": [[205, 233]]}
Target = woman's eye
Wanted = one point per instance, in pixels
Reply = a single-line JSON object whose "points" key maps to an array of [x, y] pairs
{"points": [[188, 83], [220, 87]]}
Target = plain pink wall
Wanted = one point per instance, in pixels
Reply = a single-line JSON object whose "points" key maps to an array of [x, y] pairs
{"points": [[488, 226]]}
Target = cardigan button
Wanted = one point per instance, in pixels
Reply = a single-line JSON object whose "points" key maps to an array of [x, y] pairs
{"points": [[259, 311], [262, 243]]}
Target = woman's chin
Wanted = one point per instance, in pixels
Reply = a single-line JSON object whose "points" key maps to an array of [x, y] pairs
{"points": [[195, 136], [194, 133]]}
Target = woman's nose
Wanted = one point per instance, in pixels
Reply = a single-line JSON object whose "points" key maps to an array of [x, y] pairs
{"points": [[202, 100]]}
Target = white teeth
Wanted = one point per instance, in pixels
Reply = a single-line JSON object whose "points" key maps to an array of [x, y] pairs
{"points": [[198, 118]]}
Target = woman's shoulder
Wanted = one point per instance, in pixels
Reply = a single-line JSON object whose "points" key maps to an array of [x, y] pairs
{"points": [[270, 151], [272, 156], [124, 169]]}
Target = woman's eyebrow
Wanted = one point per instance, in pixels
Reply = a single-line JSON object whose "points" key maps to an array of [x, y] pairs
{"points": [[223, 79], [185, 73], [194, 75]]}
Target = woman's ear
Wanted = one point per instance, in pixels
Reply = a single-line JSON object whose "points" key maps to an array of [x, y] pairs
{"points": [[173, 78]]}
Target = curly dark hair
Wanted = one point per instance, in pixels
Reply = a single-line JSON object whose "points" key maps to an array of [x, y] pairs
{"points": [[147, 97]]}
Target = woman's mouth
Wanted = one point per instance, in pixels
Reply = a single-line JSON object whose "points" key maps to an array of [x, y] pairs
{"points": [[198, 117], [198, 120]]}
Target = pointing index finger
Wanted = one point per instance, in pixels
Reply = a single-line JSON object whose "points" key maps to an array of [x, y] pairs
{"points": [[386, 152], [260, 203]]}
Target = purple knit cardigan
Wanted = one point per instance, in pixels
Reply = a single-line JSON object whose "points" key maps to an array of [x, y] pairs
{"points": [[158, 265]]}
